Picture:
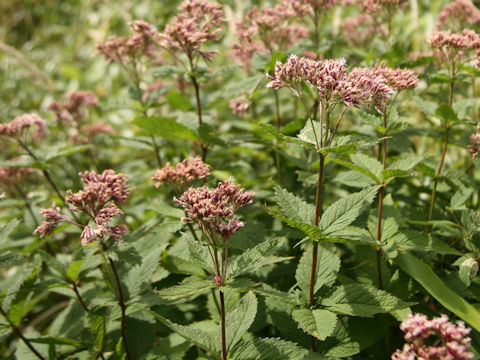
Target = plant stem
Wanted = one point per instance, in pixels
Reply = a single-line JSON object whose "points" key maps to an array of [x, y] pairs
{"points": [[444, 152], [79, 297], [318, 209], [121, 303], [222, 315], [20, 335], [27, 204], [277, 154], [199, 110], [381, 193]]}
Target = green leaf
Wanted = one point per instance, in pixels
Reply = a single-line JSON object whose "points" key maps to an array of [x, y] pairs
{"points": [[203, 339], [166, 128], [53, 262], [178, 101], [319, 323], [10, 259], [190, 287], [446, 113], [199, 254], [272, 349], [140, 331], [354, 167], [328, 265], [418, 241], [390, 174], [269, 130], [73, 270], [294, 207], [97, 321], [254, 258], [239, 320], [6, 230], [19, 307], [367, 163], [425, 275], [343, 212], [57, 152], [361, 300]]}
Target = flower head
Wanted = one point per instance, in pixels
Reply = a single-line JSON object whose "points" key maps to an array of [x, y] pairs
{"points": [[183, 174], [98, 200], [239, 106], [458, 13], [362, 28], [72, 110], [374, 7], [198, 21], [449, 341], [19, 126], [397, 79], [213, 210], [474, 147], [453, 48], [12, 176]]}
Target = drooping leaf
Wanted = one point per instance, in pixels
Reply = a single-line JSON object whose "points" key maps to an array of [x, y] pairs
{"points": [[361, 300], [10, 259], [414, 240], [97, 320], [317, 322]]}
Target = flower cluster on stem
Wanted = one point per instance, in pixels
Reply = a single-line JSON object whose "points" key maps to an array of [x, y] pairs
{"points": [[183, 174], [98, 200], [458, 13], [19, 127], [446, 341]]}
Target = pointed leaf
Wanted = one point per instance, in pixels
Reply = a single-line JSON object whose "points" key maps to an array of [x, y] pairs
{"points": [[191, 286], [343, 212], [294, 207], [272, 349], [166, 128], [319, 323], [239, 320], [361, 300]]}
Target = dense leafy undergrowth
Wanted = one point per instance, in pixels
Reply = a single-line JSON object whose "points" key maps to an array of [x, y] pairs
{"points": [[239, 180]]}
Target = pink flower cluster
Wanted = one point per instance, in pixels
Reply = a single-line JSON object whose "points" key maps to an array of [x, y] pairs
{"points": [[397, 79], [474, 147], [197, 22], [71, 111], [213, 210], [362, 28], [268, 30], [309, 7], [448, 341], [183, 174], [98, 199], [374, 7], [333, 84], [453, 47], [12, 176], [18, 126], [239, 106], [127, 50], [458, 13]]}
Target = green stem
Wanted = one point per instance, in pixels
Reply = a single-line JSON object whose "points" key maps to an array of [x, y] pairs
{"points": [[277, 154]]}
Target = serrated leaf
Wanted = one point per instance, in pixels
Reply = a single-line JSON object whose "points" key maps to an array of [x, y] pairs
{"points": [[191, 286], [367, 163], [294, 207], [255, 258], [74, 269], [272, 349], [19, 306], [166, 128], [97, 321], [425, 275], [344, 211], [6, 230], [319, 323], [446, 113], [269, 130], [390, 174], [10, 259], [64, 151], [203, 339], [199, 254], [138, 276], [354, 167], [328, 265], [361, 300], [418, 241], [53, 262], [239, 320]]}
